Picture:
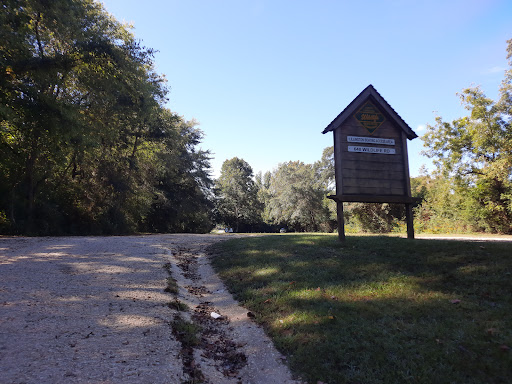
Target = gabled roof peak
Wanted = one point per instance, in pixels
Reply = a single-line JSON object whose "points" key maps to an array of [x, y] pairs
{"points": [[370, 93]]}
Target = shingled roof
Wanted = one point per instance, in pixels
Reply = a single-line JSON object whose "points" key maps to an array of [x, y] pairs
{"points": [[370, 93]]}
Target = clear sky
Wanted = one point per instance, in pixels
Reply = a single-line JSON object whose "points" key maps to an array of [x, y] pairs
{"points": [[265, 77]]}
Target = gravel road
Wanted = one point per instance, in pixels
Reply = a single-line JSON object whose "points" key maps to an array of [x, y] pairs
{"points": [[94, 310]]}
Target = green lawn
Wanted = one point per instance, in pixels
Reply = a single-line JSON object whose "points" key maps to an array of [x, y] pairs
{"points": [[378, 309]]}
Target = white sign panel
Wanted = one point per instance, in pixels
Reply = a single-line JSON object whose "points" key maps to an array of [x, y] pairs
{"points": [[382, 151], [370, 140]]}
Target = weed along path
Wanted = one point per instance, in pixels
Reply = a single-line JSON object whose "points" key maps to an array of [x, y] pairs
{"points": [[135, 309]]}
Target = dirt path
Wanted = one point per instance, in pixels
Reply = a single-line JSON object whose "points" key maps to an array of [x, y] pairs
{"points": [[94, 310]]}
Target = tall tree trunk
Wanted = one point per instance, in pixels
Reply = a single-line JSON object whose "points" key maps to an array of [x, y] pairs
{"points": [[30, 193]]}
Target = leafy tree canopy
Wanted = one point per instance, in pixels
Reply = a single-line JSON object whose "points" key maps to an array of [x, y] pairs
{"points": [[85, 141], [295, 198], [237, 195], [475, 153]]}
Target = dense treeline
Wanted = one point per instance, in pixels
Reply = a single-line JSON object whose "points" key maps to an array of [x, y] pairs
{"points": [[86, 145], [292, 197]]}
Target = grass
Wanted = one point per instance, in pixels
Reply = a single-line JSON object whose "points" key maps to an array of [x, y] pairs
{"points": [[186, 332], [171, 286], [171, 283], [378, 309], [177, 305]]}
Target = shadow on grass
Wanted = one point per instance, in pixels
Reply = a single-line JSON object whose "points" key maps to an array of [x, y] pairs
{"points": [[378, 309]]}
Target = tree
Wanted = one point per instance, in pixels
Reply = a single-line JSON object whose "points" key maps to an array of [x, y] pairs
{"points": [[446, 207], [296, 198], [85, 143], [325, 170], [182, 200], [237, 195], [75, 83], [475, 154]]}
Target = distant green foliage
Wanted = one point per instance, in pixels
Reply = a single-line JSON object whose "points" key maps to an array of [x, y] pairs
{"points": [[294, 197], [85, 144], [237, 204], [472, 186], [373, 217]]}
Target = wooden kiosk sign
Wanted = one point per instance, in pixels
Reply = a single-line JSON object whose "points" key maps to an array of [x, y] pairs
{"points": [[370, 156]]}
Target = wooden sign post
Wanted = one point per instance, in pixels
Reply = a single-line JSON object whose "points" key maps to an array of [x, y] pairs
{"points": [[370, 156]]}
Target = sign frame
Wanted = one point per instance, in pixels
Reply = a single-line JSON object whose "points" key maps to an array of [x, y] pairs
{"points": [[371, 165]]}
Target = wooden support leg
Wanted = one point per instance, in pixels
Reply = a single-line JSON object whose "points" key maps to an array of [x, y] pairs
{"points": [[341, 221], [410, 221]]}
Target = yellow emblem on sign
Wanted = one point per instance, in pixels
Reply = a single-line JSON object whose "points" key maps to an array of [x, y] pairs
{"points": [[370, 117]]}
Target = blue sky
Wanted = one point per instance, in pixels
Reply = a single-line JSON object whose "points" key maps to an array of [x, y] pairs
{"points": [[265, 77]]}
